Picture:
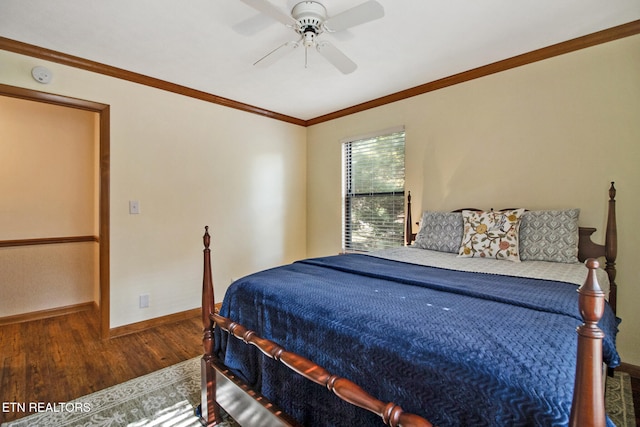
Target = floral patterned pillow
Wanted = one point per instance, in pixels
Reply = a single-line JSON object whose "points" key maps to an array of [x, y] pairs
{"points": [[491, 234]]}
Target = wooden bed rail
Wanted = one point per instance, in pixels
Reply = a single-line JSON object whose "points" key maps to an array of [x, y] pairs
{"points": [[391, 414]]}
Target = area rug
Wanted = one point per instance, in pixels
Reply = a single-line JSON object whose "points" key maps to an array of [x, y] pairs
{"points": [[168, 397], [165, 398], [619, 400]]}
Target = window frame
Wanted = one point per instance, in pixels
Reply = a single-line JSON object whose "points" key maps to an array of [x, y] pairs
{"points": [[348, 194]]}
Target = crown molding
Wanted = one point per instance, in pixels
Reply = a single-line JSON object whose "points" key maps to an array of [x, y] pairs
{"points": [[604, 36], [614, 33], [107, 70]]}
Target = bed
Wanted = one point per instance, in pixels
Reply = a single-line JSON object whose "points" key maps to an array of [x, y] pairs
{"points": [[424, 334]]}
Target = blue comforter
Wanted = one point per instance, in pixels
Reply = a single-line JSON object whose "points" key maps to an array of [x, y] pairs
{"points": [[458, 348]]}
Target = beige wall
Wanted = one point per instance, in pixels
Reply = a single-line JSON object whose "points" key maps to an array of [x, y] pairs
{"points": [[547, 135], [189, 163], [47, 170], [44, 277], [48, 188]]}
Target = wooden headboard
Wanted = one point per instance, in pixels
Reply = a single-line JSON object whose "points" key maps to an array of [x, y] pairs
{"points": [[586, 247]]}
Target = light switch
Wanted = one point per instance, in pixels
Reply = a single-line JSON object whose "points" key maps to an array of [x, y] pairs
{"points": [[144, 301], [134, 207]]}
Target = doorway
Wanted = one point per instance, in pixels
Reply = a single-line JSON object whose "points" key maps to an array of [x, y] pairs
{"points": [[102, 111]]}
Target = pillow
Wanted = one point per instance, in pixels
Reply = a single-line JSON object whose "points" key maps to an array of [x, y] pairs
{"points": [[491, 234], [549, 236], [440, 231]]}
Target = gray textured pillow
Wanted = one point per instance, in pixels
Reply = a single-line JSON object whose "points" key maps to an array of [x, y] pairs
{"points": [[440, 231], [549, 236]]}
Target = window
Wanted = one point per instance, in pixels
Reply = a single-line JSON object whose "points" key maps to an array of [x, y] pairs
{"points": [[373, 207]]}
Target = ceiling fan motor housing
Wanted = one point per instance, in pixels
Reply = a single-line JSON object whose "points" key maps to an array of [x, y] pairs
{"points": [[310, 16]]}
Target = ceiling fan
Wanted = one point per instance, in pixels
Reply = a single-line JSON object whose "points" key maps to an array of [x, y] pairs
{"points": [[309, 19]]}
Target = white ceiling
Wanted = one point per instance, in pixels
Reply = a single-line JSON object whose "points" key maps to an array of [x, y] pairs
{"points": [[207, 45]]}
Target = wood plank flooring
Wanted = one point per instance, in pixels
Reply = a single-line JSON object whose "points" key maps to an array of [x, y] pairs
{"points": [[63, 358], [635, 387]]}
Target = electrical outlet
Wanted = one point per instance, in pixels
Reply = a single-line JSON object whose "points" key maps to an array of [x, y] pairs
{"points": [[144, 301], [134, 207]]}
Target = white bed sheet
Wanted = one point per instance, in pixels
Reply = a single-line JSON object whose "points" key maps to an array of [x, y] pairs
{"points": [[575, 273]]}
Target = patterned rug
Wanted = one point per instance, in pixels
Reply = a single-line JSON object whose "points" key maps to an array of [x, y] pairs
{"points": [[164, 398], [619, 400], [168, 397]]}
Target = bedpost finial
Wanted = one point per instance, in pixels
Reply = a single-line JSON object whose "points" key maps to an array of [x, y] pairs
{"points": [[592, 263], [612, 191], [590, 287], [206, 238]]}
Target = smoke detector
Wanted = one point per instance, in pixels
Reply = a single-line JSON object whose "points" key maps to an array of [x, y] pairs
{"points": [[41, 74]]}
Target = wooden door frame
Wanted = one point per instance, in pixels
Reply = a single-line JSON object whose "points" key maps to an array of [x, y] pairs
{"points": [[103, 111]]}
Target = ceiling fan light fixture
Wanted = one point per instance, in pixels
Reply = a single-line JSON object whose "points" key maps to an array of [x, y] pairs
{"points": [[309, 38]]}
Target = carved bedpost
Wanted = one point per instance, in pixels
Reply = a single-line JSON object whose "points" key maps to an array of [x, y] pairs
{"points": [[209, 410], [587, 409], [611, 246], [408, 234]]}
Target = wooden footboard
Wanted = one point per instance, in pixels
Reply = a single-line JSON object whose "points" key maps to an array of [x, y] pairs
{"points": [[588, 399], [390, 413]]}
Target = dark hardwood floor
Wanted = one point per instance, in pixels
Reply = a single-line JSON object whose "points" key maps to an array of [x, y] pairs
{"points": [[635, 386], [63, 358]]}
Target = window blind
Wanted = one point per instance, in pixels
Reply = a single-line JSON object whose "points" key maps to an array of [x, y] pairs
{"points": [[373, 206]]}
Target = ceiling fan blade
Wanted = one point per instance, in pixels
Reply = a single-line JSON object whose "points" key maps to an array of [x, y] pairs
{"points": [[365, 12], [276, 54], [336, 57], [269, 9]]}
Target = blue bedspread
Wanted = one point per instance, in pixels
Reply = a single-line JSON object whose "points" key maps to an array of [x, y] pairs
{"points": [[458, 348]]}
